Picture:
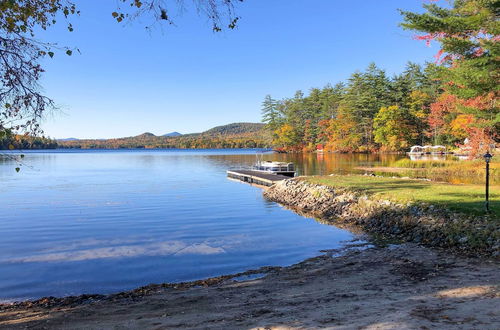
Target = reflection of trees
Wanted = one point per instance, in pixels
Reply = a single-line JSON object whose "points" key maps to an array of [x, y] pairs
{"points": [[310, 163], [335, 163], [306, 163], [13, 158]]}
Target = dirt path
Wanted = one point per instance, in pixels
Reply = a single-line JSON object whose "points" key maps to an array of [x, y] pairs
{"points": [[401, 287]]}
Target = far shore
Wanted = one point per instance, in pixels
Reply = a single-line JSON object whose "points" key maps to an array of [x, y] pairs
{"points": [[267, 148]]}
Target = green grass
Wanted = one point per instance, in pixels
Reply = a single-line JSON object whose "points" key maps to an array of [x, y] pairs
{"points": [[467, 198]]}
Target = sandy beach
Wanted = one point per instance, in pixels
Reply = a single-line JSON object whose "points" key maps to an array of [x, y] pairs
{"points": [[396, 287]]}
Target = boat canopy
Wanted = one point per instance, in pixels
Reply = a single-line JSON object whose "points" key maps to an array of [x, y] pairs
{"points": [[438, 147], [416, 149], [274, 166]]}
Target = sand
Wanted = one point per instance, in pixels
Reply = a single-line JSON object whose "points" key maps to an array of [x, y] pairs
{"points": [[397, 287]]}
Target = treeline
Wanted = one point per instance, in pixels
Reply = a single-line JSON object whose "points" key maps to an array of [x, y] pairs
{"points": [[452, 102], [157, 142], [236, 129], [9, 141], [231, 136], [369, 112]]}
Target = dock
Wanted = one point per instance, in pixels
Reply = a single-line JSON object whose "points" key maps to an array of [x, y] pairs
{"points": [[256, 177]]}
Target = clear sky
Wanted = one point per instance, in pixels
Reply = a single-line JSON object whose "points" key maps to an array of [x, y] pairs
{"points": [[127, 81]]}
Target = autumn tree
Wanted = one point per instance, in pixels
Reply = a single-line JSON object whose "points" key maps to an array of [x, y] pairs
{"points": [[287, 137], [468, 32], [418, 105], [413, 90], [394, 129], [341, 133]]}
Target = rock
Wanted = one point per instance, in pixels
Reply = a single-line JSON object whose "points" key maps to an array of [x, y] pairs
{"points": [[419, 223]]}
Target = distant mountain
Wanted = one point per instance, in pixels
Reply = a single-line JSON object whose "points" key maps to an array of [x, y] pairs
{"points": [[68, 139], [147, 134], [235, 129], [236, 135], [173, 134]]}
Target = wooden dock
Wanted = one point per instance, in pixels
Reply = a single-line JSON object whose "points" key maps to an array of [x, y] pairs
{"points": [[256, 177]]}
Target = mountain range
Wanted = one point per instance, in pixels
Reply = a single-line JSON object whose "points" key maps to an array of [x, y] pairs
{"points": [[235, 135]]}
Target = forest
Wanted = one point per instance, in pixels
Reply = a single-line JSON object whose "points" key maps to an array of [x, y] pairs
{"points": [[372, 112], [10, 141], [452, 102], [236, 135], [369, 112]]}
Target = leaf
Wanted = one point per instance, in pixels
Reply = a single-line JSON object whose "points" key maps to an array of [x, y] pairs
{"points": [[233, 23], [114, 14], [51, 54], [69, 52], [163, 14], [18, 169]]}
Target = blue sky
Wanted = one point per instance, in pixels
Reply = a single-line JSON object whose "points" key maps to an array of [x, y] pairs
{"points": [[186, 78]]}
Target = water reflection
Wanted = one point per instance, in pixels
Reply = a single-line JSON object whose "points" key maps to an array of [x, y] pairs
{"points": [[334, 163], [174, 248], [311, 163], [104, 221], [109, 221], [306, 163]]}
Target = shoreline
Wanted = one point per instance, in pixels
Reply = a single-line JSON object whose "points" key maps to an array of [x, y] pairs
{"points": [[432, 226], [359, 241], [402, 286]]}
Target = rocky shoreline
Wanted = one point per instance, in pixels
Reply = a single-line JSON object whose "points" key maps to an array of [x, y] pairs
{"points": [[423, 224]]}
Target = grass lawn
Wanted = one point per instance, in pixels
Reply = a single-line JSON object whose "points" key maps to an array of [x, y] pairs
{"points": [[468, 199]]}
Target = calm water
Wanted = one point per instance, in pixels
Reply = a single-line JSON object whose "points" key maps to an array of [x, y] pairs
{"points": [[104, 221]]}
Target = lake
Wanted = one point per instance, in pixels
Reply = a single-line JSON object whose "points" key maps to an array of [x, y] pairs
{"points": [[75, 222]]}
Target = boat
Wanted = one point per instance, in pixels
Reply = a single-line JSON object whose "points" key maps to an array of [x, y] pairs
{"points": [[271, 167], [428, 150], [438, 150], [417, 150]]}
